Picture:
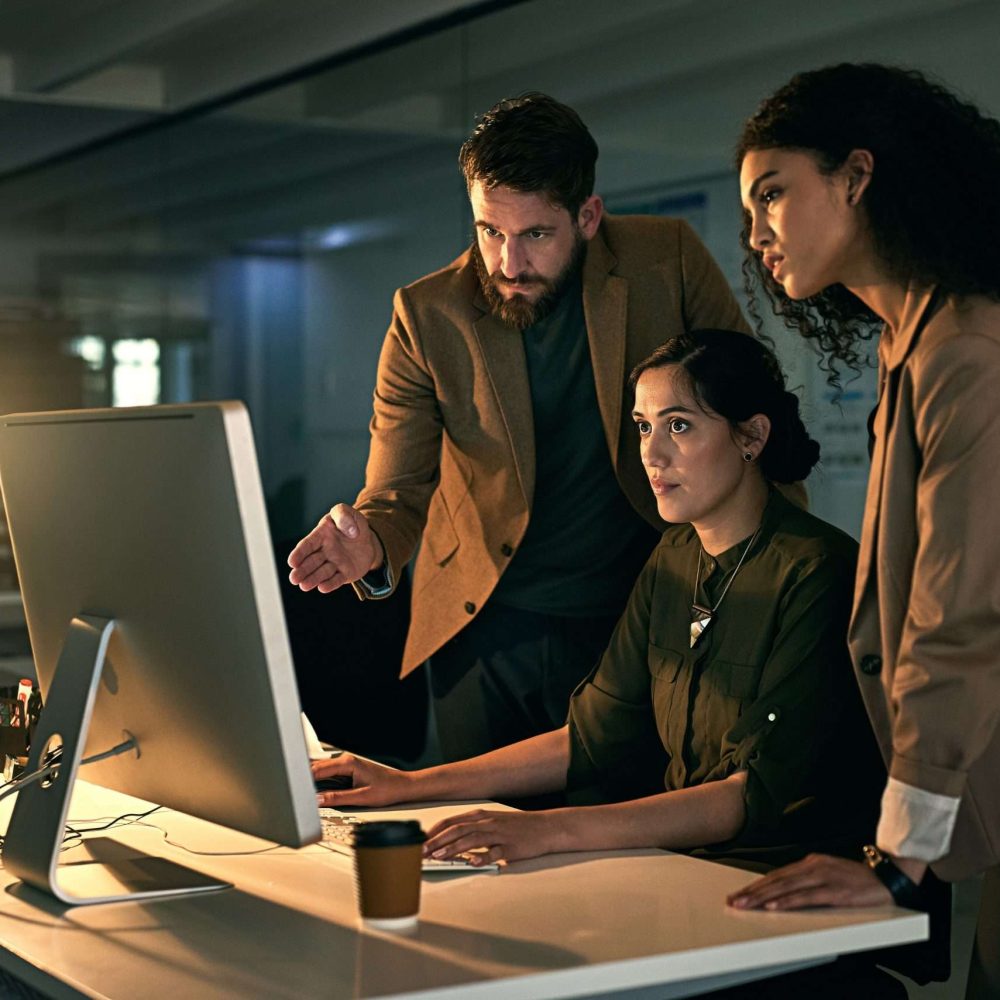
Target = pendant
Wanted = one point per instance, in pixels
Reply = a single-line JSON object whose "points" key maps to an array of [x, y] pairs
{"points": [[701, 619]]}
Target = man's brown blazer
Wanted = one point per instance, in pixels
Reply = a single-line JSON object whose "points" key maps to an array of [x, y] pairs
{"points": [[452, 448]]}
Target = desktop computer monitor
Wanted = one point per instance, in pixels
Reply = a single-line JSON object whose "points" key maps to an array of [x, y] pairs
{"points": [[152, 602]]}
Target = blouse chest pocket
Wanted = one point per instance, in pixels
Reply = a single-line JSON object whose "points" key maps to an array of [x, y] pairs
{"points": [[664, 664], [738, 680]]}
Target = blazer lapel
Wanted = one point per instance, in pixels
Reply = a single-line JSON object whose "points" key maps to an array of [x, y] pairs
{"points": [[605, 310], [917, 311], [503, 355], [873, 496]]}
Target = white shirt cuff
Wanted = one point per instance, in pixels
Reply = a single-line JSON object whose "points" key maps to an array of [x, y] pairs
{"points": [[915, 823], [378, 582]]}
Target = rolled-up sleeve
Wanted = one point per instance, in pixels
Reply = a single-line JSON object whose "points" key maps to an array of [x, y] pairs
{"points": [[615, 750], [804, 740]]}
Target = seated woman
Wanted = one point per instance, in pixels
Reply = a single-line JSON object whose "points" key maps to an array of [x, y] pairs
{"points": [[724, 717]]}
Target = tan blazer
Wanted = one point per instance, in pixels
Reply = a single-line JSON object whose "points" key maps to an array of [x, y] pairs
{"points": [[452, 441], [925, 634]]}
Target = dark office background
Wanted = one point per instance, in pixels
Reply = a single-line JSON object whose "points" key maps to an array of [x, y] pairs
{"points": [[216, 198], [212, 199]]}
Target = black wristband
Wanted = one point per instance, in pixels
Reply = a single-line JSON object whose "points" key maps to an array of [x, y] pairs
{"points": [[902, 888]]}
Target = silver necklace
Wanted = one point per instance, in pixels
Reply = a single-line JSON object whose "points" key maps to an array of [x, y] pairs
{"points": [[702, 617]]}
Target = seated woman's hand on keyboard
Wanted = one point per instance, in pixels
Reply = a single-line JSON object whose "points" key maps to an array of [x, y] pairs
{"points": [[494, 836]]}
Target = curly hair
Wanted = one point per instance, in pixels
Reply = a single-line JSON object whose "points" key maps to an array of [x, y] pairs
{"points": [[532, 143], [926, 144], [736, 376]]}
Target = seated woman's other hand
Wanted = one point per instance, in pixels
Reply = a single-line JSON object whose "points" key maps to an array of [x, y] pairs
{"points": [[489, 835]]}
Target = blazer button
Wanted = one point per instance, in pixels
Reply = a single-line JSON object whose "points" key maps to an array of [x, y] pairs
{"points": [[871, 664], [470, 607], [506, 549]]}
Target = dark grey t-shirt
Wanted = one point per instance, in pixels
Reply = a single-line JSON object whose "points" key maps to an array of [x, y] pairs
{"points": [[585, 543]]}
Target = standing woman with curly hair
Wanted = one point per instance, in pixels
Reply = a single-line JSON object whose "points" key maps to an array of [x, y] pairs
{"points": [[872, 200]]}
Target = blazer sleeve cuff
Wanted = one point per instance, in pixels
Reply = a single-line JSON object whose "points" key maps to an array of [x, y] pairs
{"points": [[930, 777], [379, 582], [916, 823]]}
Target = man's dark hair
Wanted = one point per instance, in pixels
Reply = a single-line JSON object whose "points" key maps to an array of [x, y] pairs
{"points": [[532, 143]]}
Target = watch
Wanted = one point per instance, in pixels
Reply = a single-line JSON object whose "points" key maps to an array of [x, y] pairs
{"points": [[904, 891]]}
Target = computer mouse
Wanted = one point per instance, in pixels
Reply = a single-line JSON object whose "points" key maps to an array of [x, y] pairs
{"points": [[335, 784]]}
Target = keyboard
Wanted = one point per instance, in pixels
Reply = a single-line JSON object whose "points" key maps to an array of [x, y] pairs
{"points": [[338, 835]]}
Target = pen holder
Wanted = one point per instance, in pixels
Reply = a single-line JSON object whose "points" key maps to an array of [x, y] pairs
{"points": [[15, 733], [17, 725]]}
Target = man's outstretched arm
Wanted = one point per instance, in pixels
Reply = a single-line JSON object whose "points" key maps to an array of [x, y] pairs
{"points": [[381, 531]]}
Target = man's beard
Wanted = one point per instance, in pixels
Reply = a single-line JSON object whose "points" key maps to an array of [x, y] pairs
{"points": [[519, 311]]}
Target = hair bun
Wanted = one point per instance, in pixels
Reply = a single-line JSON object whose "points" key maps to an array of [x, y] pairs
{"points": [[790, 453]]}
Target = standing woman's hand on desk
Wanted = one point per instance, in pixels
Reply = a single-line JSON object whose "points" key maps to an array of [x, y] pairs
{"points": [[373, 784], [816, 880]]}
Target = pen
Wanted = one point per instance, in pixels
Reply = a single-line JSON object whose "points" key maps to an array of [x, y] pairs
{"points": [[23, 694]]}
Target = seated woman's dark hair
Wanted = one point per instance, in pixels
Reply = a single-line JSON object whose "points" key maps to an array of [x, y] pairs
{"points": [[932, 205], [735, 376]]}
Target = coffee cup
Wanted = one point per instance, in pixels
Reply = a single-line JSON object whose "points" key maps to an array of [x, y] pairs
{"points": [[387, 860]]}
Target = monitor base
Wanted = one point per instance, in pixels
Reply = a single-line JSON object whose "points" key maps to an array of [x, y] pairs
{"points": [[116, 873], [31, 849]]}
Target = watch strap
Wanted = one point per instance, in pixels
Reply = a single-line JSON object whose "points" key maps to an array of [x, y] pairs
{"points": [[904, 891]]}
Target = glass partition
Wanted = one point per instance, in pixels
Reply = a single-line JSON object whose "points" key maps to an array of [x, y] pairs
{"points": [[251, 251]]}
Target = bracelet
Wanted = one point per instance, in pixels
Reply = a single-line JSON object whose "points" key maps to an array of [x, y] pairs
{"points": [[904, 891]]}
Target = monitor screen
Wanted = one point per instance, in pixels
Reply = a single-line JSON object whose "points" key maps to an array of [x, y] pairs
{"points": [[153, 518]]}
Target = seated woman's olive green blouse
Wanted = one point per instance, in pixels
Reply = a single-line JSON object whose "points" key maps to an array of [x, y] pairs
{"points": [[769, 690]]}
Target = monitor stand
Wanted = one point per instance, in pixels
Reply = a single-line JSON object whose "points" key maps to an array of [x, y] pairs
{"points": [[32, 845]]}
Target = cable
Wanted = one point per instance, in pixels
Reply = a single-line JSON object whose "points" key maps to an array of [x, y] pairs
{"points": [[52, 760], [211, 854], [132, 817], [73, 836], [28, 779], [119, 748]]}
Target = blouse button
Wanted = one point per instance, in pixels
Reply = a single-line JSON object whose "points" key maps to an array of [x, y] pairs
{"points": [[871, 664], [773, 715]]}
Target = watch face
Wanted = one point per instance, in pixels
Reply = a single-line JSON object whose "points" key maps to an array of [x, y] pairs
{"points": [[873, 856]]}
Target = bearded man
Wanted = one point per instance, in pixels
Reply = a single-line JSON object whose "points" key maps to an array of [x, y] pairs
{"points": [[502, 440]]}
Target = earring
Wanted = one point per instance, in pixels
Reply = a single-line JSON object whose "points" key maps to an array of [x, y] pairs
{"points": [[748, 456]]}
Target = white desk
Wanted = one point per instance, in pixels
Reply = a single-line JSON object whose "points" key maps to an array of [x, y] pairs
{"points": [[567, 925]]}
